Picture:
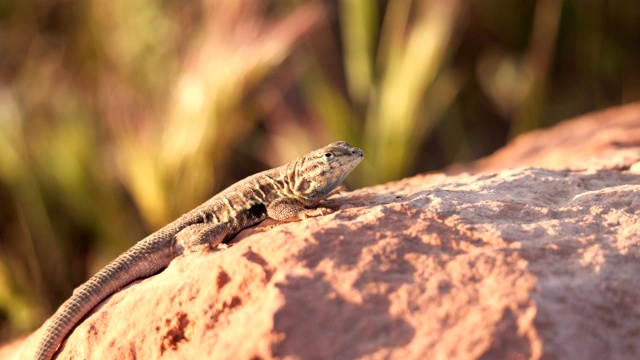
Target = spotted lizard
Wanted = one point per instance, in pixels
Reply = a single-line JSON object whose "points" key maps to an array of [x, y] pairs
{"points": [[292, 191]]}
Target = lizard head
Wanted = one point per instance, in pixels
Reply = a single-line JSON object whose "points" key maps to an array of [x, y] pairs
{"points": [[320, 171]]}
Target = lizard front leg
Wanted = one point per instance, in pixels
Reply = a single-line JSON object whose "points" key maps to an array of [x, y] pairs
{"points": [[198, 237], [287, 209]]}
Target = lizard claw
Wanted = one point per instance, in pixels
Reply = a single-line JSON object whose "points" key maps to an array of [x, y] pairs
{"points": [[321, 211]]}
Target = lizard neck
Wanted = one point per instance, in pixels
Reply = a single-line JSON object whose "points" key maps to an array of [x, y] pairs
{"points": [[295, 181]]}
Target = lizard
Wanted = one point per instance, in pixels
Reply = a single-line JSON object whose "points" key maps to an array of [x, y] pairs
{"points": [[289, 192]]}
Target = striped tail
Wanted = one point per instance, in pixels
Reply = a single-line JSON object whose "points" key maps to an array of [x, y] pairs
{"points": [[146, 258]]}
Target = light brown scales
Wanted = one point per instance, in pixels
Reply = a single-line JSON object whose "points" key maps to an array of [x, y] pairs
{"points": [[289, 191]]}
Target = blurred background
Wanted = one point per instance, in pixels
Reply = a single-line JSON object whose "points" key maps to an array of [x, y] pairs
{"points": [[118, 116]]}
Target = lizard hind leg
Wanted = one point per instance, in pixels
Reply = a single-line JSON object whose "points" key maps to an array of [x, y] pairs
{"points": [[199, 237]]}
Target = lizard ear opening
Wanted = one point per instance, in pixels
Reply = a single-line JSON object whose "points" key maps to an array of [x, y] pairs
{"points": [[303, 186]]}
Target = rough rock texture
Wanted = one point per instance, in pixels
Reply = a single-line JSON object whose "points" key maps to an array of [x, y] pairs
{"points": [[532, 262]]}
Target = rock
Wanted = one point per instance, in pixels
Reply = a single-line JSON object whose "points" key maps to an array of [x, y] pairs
{"points": [[521, 263], [609, 139]]}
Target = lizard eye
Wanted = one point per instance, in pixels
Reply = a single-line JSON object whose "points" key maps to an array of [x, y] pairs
{"points": [[328, 155]]}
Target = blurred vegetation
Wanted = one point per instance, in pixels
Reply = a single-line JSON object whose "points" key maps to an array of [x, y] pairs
{"points": [[118, 116]]}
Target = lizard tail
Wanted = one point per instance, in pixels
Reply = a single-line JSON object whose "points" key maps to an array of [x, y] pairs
{"points": [[141, 260]]}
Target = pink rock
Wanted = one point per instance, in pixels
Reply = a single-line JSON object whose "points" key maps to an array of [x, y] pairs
{"points": [[515, 264]]}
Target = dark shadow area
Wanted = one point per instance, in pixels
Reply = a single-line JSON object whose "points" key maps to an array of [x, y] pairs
{"points": [[313, 309]]}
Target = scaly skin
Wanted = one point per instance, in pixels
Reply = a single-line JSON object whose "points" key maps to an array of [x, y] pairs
{"points": [[282, 193]]}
